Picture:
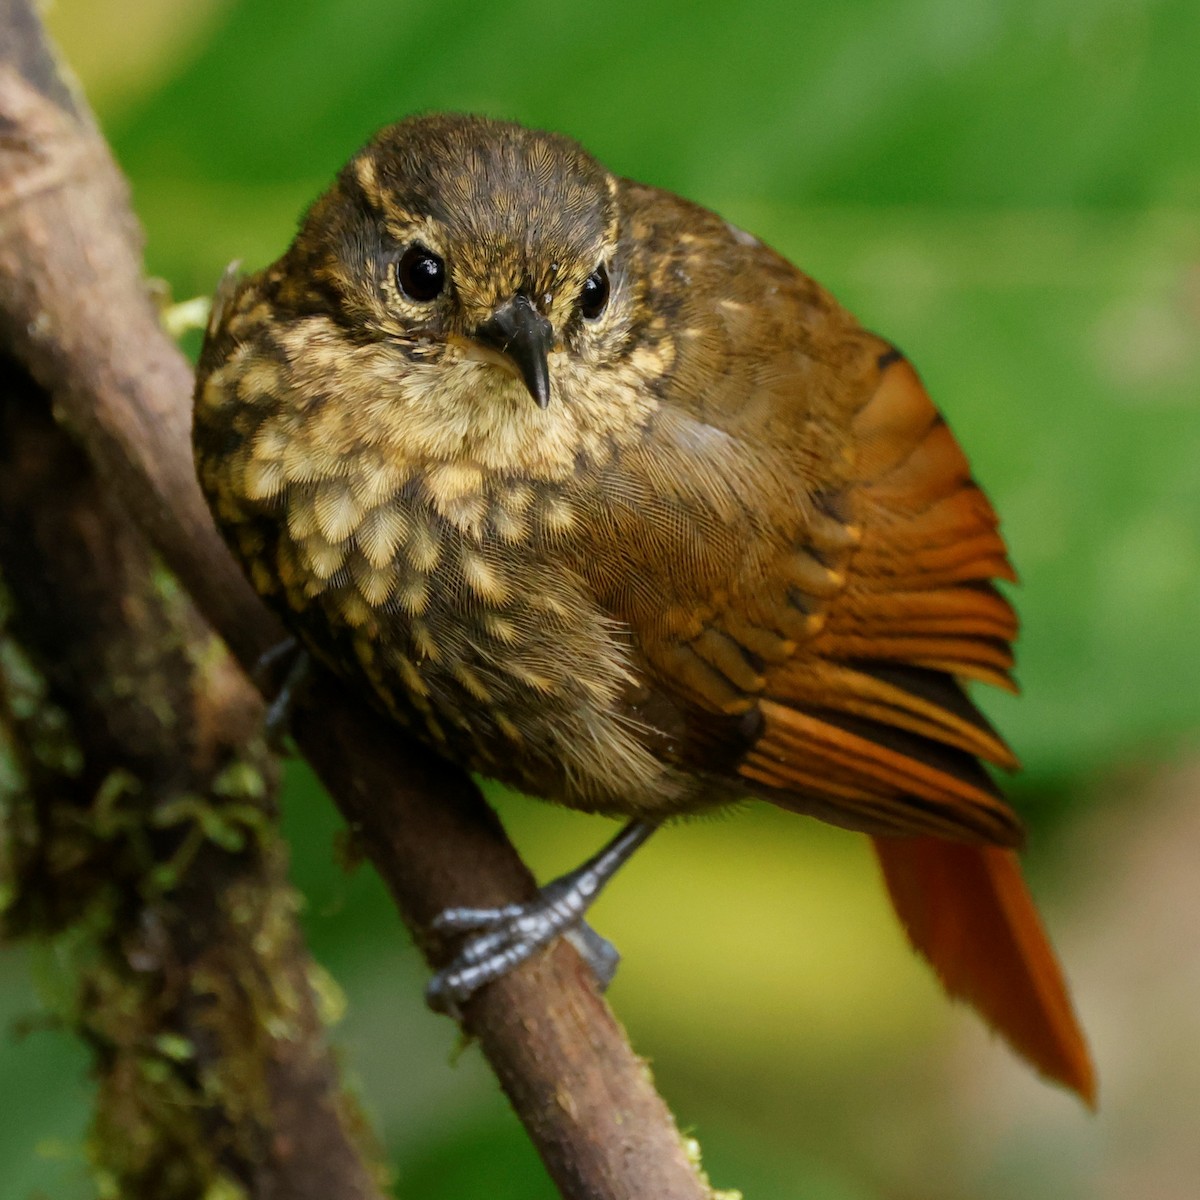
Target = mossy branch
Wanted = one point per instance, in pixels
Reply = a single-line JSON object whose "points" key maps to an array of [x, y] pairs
{"points": [[140, 840]]}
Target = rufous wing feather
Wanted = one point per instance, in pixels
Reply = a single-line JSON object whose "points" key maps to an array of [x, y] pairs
{"points": [[868, 725], [968, 911]]}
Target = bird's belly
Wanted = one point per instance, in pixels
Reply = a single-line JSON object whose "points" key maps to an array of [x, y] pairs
{"points": [[491, 651]]}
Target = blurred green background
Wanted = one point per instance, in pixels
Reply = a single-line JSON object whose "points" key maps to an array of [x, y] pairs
{"points": [[1011, 192]]}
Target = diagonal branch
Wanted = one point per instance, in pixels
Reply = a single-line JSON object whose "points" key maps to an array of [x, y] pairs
{"points": [[75, 311]]}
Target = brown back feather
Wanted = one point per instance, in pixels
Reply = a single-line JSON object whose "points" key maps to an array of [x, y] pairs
{"points": [[873, 704]]}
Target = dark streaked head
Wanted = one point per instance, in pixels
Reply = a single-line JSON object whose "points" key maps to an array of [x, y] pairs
{"points": [[461, 235]]}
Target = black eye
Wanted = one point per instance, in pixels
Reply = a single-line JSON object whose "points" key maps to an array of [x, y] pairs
{"points": [[594, 296], [421, 274]]}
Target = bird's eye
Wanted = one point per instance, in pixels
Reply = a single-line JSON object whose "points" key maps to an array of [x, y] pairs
{"points": [[594, 296], [421, 274]]}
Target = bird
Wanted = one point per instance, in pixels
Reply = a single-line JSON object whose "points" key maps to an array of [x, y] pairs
{"points": [[603, 498]]}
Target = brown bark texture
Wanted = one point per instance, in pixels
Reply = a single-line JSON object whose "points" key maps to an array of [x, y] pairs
{"points": [[140, 838]]}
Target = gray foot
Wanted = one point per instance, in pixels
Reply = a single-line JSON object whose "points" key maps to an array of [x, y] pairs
{"points": [[499, 945], [502, 938]]}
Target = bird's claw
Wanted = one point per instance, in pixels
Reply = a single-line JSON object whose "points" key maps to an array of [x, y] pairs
{"points": [[503, 938], [471, 920]]}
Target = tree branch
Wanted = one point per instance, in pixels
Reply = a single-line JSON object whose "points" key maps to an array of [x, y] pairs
{"points": [[74, 309], [143, 837]]}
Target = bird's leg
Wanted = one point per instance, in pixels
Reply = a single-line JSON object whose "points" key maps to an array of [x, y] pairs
{"points": [[504, 937], [278, 719]]}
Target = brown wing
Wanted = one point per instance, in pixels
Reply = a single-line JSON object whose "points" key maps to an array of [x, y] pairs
{"points": [[867, 722], [818, 562], [871, 720], [807, 571], [805, 602]]}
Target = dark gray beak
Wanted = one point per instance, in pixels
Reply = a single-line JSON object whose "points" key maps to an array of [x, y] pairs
{"points": [[518, 331]]}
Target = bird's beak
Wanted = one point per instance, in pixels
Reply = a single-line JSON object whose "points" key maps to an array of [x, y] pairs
{"points": [[524, 337]]}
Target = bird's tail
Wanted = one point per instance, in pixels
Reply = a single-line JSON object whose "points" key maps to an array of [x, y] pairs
{"points": [[967, 910]]}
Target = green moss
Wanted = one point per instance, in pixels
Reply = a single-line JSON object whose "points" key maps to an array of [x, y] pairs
{"points": [[692, 1148], [330, 998], [171, 1116], [38, 750], [187, 1022], [241, 779], [45, 730]]}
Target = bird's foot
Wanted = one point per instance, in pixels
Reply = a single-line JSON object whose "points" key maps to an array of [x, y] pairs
{"points": [[502, 938]]}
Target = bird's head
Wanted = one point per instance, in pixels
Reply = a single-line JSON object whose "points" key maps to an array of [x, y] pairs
{"points": [[458, 238]]}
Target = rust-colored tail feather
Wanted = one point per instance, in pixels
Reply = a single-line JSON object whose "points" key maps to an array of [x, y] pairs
{"points": [[968, 911]]}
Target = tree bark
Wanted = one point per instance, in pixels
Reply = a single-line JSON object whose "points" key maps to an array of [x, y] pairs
{"points": [[141, 836]]}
